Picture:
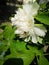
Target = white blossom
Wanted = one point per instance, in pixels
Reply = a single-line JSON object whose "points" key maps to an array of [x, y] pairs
{"points": [[25, 24]]}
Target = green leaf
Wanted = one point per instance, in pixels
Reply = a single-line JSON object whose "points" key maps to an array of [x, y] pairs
{"points": [[1, 34], [3, 46], [1, 62], [43, 60], [5, 24], [18, 50], [8, 33], [20, 45], [43, 6], [43, 18]]}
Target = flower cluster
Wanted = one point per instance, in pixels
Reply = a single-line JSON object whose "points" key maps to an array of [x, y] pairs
{"points": [[25, 23]]}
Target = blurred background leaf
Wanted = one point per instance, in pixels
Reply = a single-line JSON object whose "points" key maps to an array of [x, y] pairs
{"points": [[43, 60]]}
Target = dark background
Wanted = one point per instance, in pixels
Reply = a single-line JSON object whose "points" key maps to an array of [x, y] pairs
{"points": [[7, 10]]}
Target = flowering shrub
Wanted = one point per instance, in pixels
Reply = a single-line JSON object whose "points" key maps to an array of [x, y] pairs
{"points": [[28, 26]]}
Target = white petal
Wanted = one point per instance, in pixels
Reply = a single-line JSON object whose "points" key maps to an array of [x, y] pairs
{"points": [[39, 31], [34, 1], [18, 31], [34, 39], [13, 19], [27, 1], [41, 26], [35, 8], [27, 39]]}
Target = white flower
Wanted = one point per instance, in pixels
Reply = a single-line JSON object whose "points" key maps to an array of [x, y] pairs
{"points": [[27, 1], [24, 21]]}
